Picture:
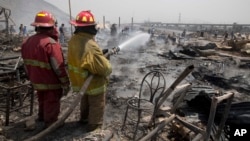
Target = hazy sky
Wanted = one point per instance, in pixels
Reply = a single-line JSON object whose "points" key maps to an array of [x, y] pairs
{"points": [[189, 11]]}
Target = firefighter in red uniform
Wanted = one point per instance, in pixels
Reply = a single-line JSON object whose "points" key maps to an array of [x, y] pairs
{"points": [[45, 67]]}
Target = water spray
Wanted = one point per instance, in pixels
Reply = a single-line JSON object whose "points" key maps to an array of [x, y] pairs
{"points": [[115, 50], [141, 36]]}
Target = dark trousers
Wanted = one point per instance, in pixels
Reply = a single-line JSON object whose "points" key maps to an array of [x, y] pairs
{"points": [[92, 108], [49, 105]]}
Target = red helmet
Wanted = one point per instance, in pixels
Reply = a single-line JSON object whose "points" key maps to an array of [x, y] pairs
{"points": [[44, 19], [84, 18]]}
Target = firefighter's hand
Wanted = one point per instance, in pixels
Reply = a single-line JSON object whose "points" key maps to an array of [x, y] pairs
{"points": [[104, 51], [66, 89]]}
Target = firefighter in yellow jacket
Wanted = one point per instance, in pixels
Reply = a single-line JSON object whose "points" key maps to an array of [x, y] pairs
{"points": [[86, 58]]}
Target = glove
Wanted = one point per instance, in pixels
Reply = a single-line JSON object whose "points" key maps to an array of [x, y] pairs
{"points": [[104, 51], [66, 90]]}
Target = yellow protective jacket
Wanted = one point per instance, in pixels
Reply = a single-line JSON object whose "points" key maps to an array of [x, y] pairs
{"points": [[85, 58]]}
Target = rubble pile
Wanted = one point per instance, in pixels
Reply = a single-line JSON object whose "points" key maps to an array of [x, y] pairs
{"points": [[185, 102]]}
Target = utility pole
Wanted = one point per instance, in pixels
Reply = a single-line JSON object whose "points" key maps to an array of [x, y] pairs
{"points": [[119, 22], [179, 17], [104, 22], [132, 23], [70, 17]]}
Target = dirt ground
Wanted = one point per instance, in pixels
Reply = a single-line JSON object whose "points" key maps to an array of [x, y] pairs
{"points": [[130, 65]]}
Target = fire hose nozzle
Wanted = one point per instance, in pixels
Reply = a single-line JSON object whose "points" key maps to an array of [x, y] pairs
{"points": [[112, 51], [115, 50]]}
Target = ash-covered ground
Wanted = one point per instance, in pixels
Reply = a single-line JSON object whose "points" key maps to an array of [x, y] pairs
{"points": [[138, 56]]}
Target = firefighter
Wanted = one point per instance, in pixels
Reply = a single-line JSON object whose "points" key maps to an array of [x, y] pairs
{"points": [[113, 31], [225, 37], [45, 67], [85, 57], [62, 34]]}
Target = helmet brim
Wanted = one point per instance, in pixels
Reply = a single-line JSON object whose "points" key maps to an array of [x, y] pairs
{"points": [[41, 24], [80, 24]]}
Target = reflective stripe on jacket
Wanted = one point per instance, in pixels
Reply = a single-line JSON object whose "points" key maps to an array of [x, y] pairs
{"points": [[85, 58], [44, 62]]}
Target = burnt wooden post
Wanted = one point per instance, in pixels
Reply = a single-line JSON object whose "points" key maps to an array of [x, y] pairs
{"points": [[215, 102]]}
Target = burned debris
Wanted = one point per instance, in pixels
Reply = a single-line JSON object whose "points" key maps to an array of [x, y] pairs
{"points": [[171, 85], [189, 108], [203, 111]]}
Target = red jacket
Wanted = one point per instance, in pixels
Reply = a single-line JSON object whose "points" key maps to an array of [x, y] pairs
{"points": [[44, 63]]}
